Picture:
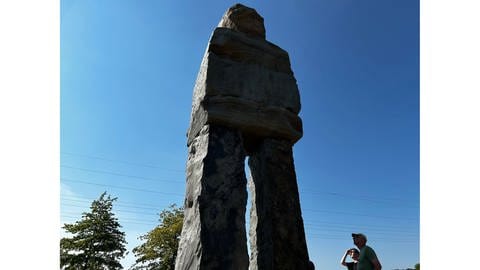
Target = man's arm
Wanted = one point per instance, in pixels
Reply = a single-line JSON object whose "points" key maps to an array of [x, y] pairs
{"points": [[372, 257], [342, 261], [376, 264]]}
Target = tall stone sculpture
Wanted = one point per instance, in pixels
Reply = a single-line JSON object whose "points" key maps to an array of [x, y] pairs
{"points": [[245, 103]]}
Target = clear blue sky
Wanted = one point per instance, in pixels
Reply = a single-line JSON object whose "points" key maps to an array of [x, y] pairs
{"points": [[127, 74]]}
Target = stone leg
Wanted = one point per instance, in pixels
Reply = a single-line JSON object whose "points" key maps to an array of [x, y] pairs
{"points": [[277, 237], [213, 234]]}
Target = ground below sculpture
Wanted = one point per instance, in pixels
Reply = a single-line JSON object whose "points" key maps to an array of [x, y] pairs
{"points": [[245, 103]]}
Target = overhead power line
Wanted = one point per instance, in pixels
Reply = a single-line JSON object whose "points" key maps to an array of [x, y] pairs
{"points": [[78, 216], [404, 235], [390, 201], [129, 222], [180, 195], [121, 187], [377, 231], [308, 235], [117, 204], [120, 201], [356, 214], [120, 161], [314, 226], [121, 174], [334, 237], [310, 226], [319, 224], [365, 198], [119, 210]]}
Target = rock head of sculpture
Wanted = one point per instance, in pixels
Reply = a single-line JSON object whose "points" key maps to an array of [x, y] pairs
{"points": [[245, 103], [244, 19]]}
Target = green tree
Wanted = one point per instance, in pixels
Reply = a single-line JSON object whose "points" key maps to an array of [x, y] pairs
{"points": [[159, 249], [97, 242], [417, 266]]}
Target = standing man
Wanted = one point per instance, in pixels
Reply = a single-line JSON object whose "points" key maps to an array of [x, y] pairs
{"points": [[368, 259]]}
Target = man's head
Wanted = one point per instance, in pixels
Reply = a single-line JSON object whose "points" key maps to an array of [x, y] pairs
{"points": [[359, 239], [354, 253]]}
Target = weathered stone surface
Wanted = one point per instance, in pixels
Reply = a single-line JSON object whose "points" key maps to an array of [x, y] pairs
{"points": [[251, 82], [190, 247], [277, 237], [250, 118], [245, 20], [213, 234], [257, 86], [245, 102], [258, 74], [240, 48]]}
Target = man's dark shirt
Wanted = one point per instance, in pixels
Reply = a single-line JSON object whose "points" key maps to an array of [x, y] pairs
{"points": [[352, 266]]}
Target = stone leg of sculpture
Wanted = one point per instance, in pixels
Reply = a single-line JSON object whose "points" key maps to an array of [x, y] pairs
{"points": [[213, 235], [277, 237]]}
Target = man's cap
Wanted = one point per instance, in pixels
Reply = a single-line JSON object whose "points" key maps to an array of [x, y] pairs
{"points": [[359, 235]]}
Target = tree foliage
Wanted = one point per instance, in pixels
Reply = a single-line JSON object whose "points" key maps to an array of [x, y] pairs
{"points": [[159, 249], [417, 266], [97, 242]]}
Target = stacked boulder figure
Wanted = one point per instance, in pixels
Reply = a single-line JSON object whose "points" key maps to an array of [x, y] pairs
{"points": [[245, 103]]}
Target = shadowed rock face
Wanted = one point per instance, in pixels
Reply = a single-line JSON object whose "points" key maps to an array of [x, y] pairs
{"points": [[245, 103]]}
